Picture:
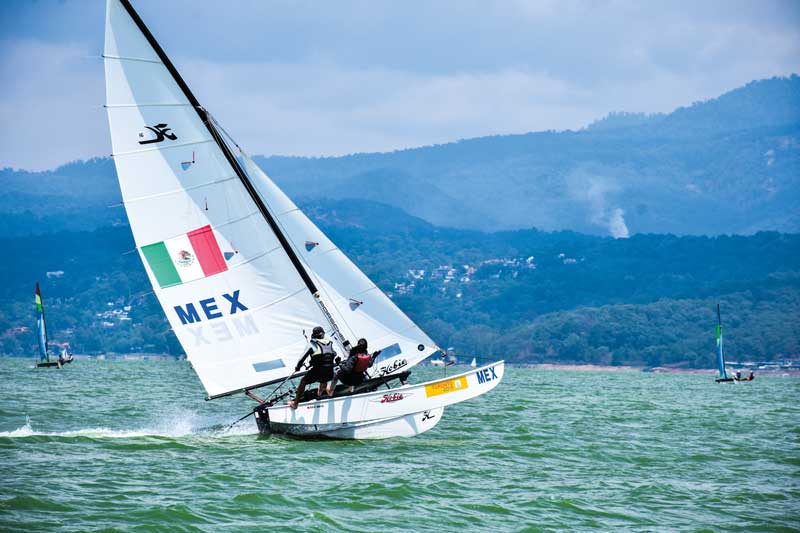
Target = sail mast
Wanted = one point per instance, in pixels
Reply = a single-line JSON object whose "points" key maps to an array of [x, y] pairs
{"points": [[204, 118], [720, 353]]}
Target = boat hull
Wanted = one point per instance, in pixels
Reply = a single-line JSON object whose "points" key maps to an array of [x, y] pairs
{"points": [[402, 426], [50, 364], [398, 412]]}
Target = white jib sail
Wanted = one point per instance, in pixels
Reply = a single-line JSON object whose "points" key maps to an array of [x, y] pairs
{"points": [[230, 291], [358, 306]]}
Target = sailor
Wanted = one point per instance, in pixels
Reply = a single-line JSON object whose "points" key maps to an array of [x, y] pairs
{"points": [[322, 354], [354, 370]]}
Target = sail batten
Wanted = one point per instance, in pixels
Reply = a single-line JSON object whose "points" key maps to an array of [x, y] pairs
{"points": [[142, 59], [158, 149], [155, 104], [189, 188]]}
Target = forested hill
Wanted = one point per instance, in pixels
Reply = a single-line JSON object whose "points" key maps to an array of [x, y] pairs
{"points": [[527, 296], [727, 165]]}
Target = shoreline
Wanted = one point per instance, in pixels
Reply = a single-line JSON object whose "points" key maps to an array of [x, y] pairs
{"points": [[775, 372], [780, 372]]}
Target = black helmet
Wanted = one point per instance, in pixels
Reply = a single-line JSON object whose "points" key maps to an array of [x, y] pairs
{"points": [[362, 343], [317, 332]]}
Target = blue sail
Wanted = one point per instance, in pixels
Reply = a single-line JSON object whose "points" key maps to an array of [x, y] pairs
{"points": [[41, 328]]}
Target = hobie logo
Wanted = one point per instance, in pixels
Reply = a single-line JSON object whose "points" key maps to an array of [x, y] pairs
{"points": [[395, 366], [161, 131], [389, 398]]}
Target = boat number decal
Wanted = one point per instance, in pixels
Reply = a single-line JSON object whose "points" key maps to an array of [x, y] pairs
{"points": [[162, 132], [487, 374], [446, 387]]}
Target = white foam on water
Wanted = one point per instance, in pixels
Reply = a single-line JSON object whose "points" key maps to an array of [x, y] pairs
{"points": [[187, 424], [24, 431]]}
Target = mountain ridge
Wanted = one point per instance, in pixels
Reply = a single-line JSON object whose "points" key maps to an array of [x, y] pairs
{"points": [[725, 165]]}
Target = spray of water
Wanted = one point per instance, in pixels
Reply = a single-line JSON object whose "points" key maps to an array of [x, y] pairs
{"points": [[174, 426]]}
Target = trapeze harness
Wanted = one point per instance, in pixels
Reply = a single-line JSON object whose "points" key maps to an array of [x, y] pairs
{"points": [[323, 354]]}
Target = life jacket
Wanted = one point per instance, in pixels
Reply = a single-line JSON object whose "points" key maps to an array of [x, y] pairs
{"points": [[362, 362], [323, 352]]}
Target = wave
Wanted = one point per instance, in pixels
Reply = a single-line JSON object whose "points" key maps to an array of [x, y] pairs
{"points": [[174, 427]]}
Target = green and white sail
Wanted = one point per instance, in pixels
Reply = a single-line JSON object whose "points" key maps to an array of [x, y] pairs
{"points": [[41, 327], [241, 322]]}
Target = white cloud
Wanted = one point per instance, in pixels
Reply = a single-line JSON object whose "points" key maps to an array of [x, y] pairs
{"points": [[320, 79], [51, 105]]}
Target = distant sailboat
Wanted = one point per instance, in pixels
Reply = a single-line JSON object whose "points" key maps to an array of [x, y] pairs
{"points": [[41, 331], [241, 311], [474, 363], [723, 373]]}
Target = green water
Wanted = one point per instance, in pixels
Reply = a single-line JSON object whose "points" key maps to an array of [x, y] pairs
{"points": [[127, 446]]}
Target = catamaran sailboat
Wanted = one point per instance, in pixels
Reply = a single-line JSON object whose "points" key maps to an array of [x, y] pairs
{"points": [[241, 272], [41, 333], [723, 373]]}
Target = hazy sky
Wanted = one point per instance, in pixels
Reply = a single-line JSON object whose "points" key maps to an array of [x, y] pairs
{"points": [[330, 78]]}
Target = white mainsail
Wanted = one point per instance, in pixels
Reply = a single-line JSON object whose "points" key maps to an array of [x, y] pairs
{"points": [[241, 326], [224, 250]]}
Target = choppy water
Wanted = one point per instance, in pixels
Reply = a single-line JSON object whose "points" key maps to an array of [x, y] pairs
{"points": [[132, 446]]}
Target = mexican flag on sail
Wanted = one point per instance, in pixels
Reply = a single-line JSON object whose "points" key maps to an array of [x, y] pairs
{"points": [[185, 258]]}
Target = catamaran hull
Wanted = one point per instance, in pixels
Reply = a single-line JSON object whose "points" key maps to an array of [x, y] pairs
{"points": [[59, 364], [401, 412], [402, 426]]}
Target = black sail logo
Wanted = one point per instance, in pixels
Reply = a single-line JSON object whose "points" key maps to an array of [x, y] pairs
{"points": [[162, 132]]}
